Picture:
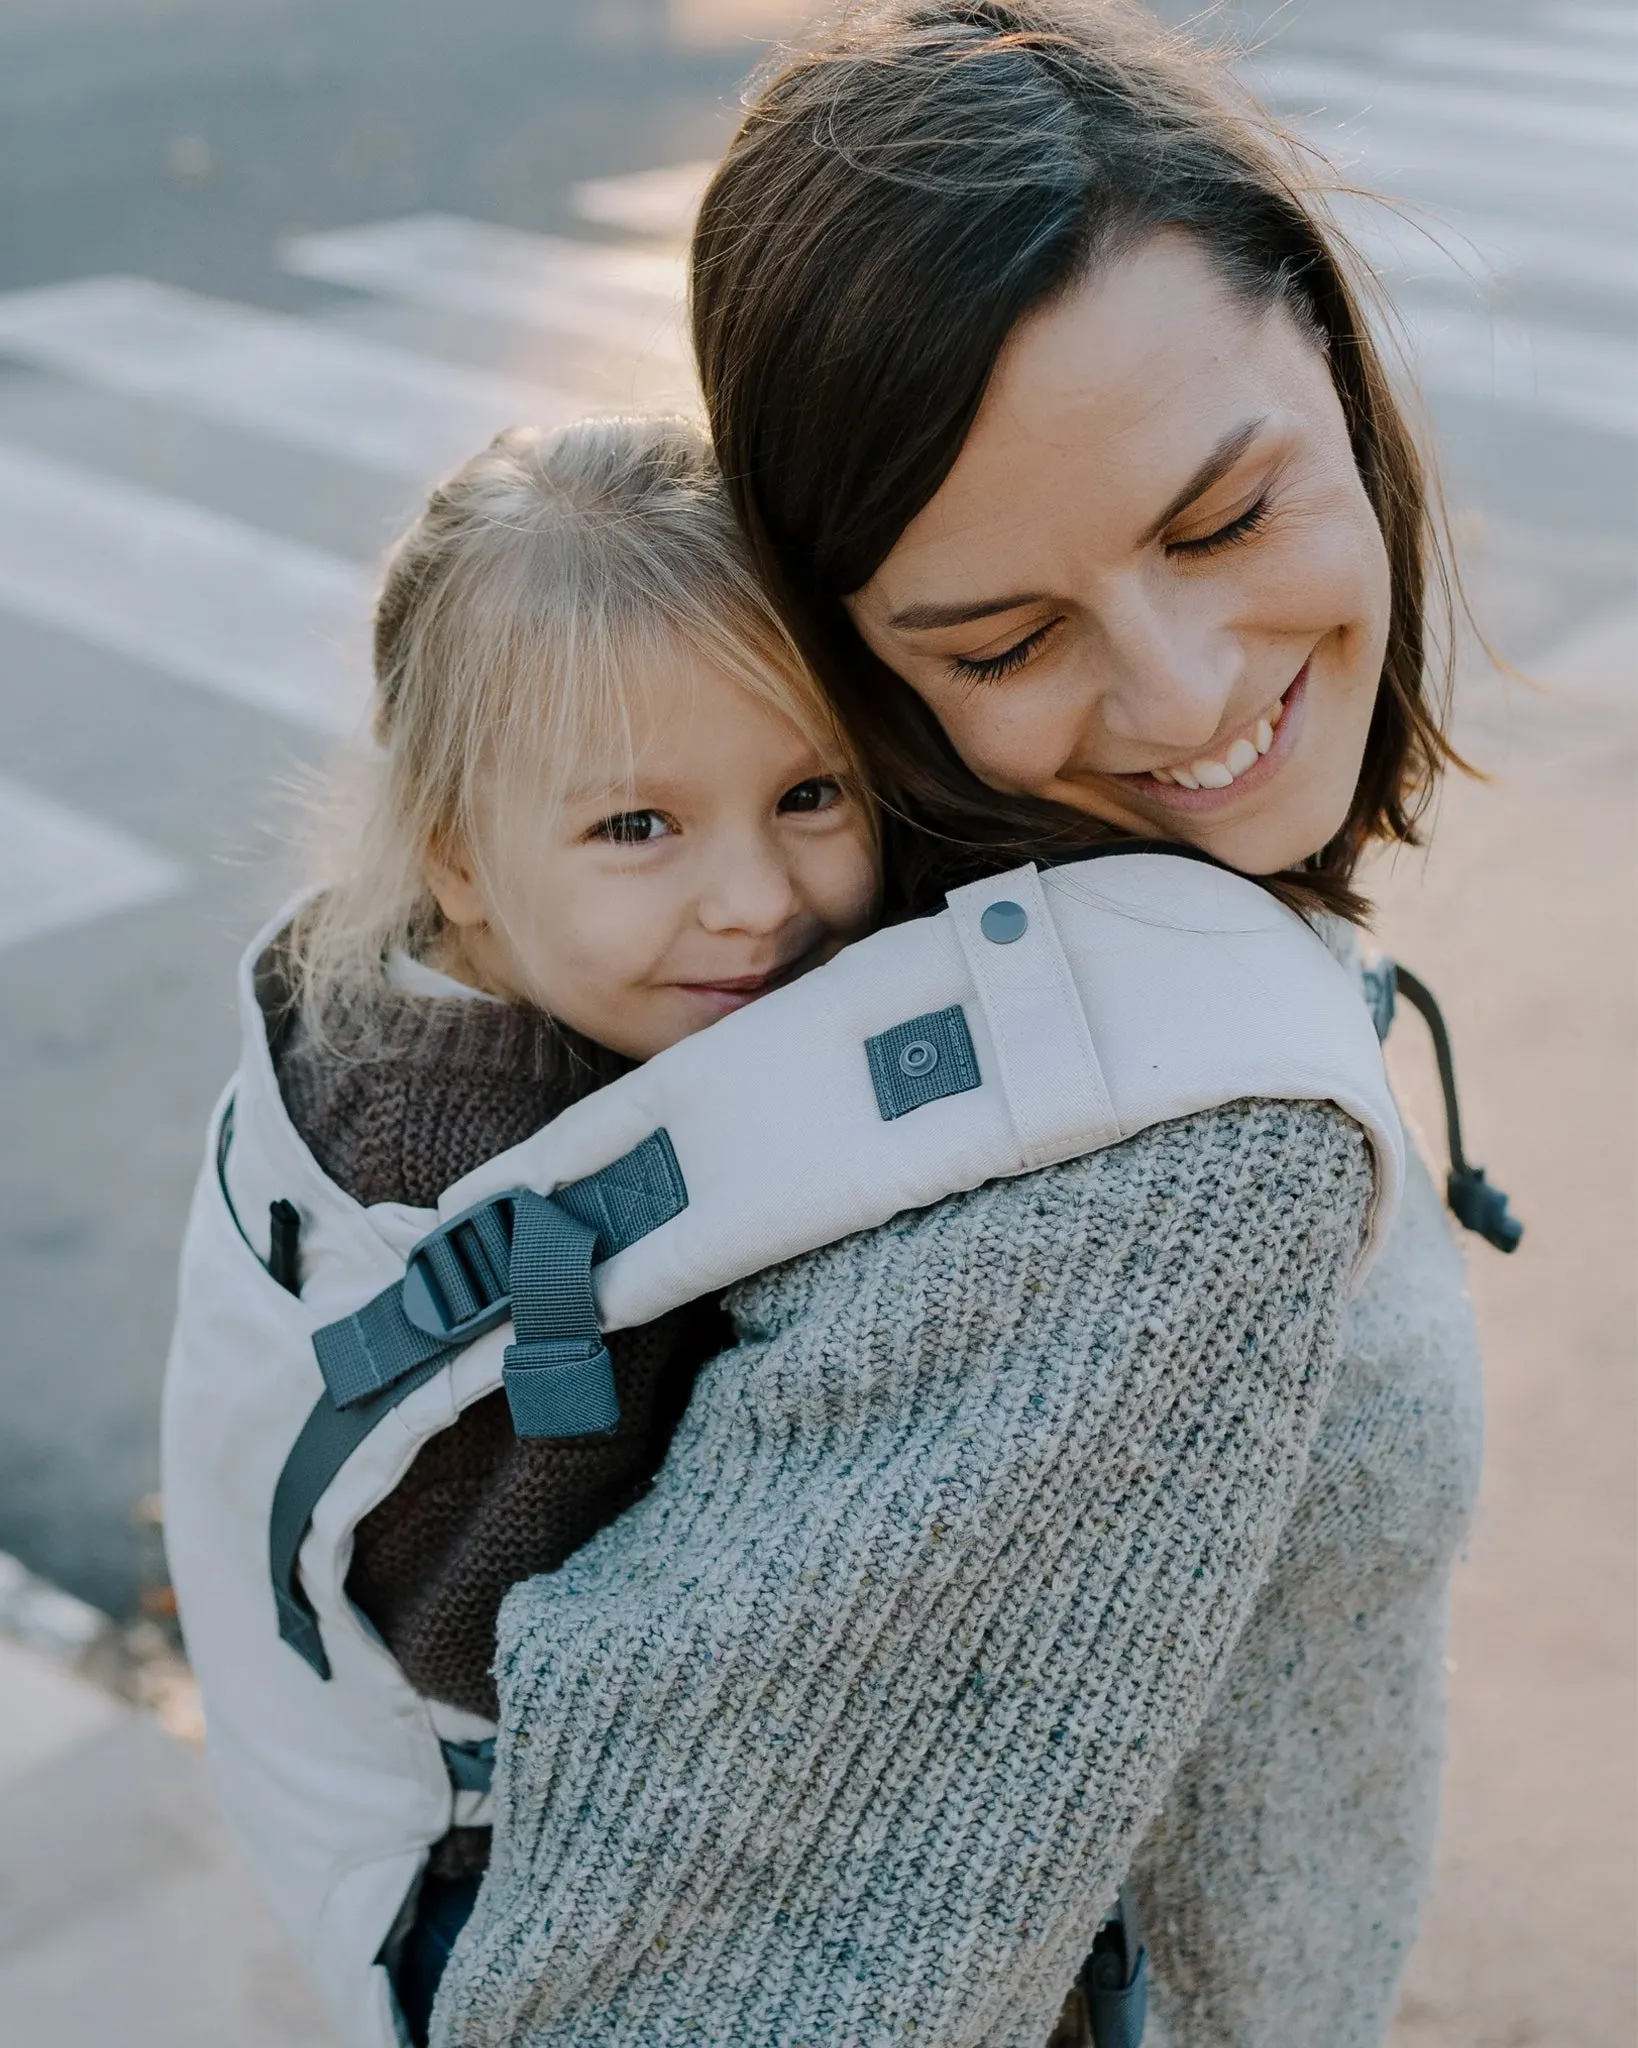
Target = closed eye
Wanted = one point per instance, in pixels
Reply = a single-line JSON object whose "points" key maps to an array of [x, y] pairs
{"points": [[995, 668], [1225, 537]]}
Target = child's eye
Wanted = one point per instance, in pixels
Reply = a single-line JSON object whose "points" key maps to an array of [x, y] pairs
{"points": [[632, 828], [818, 793]]}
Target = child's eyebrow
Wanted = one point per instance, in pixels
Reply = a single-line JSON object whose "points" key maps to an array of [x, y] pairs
{"points": [[623, 795]]}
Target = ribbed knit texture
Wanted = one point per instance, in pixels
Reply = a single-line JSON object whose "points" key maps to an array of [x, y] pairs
{"points": [[1281, 1884], [846, 1734]]}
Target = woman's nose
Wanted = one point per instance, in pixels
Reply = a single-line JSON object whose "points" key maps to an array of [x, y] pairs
{"points": [[748, 888], [1169, 677]]}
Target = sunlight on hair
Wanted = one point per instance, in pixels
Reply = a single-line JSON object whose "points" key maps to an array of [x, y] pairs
{"points": [[521, 621]]}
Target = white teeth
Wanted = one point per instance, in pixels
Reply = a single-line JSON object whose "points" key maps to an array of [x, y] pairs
{"points": [[1244, 754], [1277, 713]]}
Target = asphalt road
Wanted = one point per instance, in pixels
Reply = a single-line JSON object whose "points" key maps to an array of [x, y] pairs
{"points": [[183, 144], [214, 409]]}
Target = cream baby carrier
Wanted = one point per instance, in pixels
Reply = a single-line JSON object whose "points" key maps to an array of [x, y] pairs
{"points": [[319, 1345]]}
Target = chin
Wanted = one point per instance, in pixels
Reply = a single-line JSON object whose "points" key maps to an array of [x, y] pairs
{"points": [[1271, 846]]}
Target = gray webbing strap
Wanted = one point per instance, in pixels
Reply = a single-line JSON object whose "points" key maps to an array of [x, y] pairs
{"points": [[558, 1376], [328, 1438], [372, 1351], [461, 1280], [1115, 1978]]}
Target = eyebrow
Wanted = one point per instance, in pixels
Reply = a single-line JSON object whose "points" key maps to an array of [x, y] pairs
{"points": [[1215, 467], [924, 618], [929, 617]]}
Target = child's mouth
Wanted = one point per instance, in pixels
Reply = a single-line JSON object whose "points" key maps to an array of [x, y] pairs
{"points": [[733, 992]]}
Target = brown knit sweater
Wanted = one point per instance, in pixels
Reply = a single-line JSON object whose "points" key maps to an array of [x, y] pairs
{"points": [[449, 1084]]}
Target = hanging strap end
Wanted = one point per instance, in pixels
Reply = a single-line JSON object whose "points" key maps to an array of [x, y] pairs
{"points": [[1480, 1207]]}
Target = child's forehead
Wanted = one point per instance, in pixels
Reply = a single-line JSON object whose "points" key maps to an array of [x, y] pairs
{"points": [[712, 740], [662, 702]]}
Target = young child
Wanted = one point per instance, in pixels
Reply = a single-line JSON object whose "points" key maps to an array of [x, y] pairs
{"points": [[609, 805]]}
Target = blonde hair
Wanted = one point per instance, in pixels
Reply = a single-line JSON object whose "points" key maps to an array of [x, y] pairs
{"points": [[542, 578]]}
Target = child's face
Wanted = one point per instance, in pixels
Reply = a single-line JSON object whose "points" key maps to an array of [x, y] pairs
{"points": [[724, 861]]}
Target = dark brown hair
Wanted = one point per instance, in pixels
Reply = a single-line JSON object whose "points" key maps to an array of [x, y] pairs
{"points": [[900, 196]]}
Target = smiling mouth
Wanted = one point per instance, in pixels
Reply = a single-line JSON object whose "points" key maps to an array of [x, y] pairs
{"points": [[745, 988], [1244, 764]]}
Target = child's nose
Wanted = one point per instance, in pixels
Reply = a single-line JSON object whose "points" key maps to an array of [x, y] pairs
{"points": [[749, 889]]}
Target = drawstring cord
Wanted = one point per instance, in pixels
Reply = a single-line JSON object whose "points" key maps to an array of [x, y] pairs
{"points": [[1477, 1204]]}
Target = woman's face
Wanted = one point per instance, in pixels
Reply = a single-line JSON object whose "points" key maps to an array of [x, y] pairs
{"points": [[1152, 586]]}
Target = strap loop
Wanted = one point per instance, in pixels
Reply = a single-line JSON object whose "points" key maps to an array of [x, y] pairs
{"points": [[558, 1375], [561, 1388]]}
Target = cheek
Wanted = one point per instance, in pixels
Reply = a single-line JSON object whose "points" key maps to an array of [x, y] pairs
{"points": [[1015, 735], [1331, 573], [842, 881], [592, 938]]}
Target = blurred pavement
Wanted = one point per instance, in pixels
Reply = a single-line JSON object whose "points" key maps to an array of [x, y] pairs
{"points": [[124, 1914], [1525, 912]]}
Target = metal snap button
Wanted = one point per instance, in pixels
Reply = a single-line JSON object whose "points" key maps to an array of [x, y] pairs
{"points": [[1004, 922], [917, 1058]]}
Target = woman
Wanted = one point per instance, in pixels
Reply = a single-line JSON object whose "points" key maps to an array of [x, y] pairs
{"points": [[1078, 1530]]}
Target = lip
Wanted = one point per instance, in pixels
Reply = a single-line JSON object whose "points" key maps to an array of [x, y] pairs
{"points": [[1266, 766], [734, 992]]}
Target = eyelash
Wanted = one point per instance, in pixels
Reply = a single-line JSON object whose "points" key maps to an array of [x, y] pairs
{"points": [[1225, 536], [997, 667], [824, 786], [609, 829]]}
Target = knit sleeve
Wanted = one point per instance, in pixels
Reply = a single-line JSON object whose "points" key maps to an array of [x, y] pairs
{"points": [[846, 1734]]}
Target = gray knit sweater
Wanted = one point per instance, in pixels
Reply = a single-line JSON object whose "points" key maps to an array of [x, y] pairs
{"points": [[1024, 1535]]}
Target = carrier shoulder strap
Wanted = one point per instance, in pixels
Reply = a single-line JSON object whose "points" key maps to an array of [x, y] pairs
{"points": [[1040, 1017]]}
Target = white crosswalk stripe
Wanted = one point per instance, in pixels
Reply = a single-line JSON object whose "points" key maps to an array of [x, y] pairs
{"points": [[184, 590], [626, 299], [1513, 57], [1619, 24], [1511, 193], [1578, 378], [59, 867], [659, 204], [1400, 158], [1430, 244], [1341, 91], [1511, 255], [291, 380]]}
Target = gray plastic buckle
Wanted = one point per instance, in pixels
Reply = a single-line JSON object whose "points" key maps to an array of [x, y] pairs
{"points": [[458, 1282]]}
